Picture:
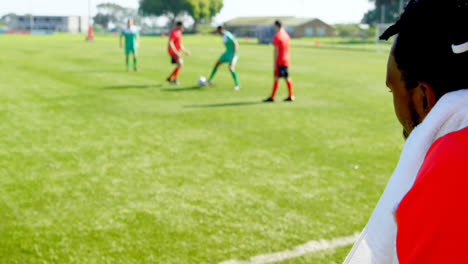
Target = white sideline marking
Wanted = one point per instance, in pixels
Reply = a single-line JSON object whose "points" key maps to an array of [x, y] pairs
{"points": [[307, 248]]}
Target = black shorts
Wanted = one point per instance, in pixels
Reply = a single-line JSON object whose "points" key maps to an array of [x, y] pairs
{"points": [[282, 72]]}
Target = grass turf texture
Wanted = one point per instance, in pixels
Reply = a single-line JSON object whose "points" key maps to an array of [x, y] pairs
{"points": [[102, 166]]}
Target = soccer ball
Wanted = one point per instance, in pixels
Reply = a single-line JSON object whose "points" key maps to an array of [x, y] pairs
{"points": [[202, 81]]}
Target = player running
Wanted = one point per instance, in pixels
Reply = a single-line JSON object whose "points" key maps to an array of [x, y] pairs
{"points": [[175, 48], [281, 42], [132, 42], [230, 56]]}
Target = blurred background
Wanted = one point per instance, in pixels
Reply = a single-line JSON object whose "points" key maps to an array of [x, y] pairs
{"points": [[349, 24]]}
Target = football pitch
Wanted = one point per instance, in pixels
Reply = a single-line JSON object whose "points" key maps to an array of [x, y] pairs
{"points": [[98, 165]]}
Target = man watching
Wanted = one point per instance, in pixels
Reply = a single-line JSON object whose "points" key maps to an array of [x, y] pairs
{"points": [[421, 216]]}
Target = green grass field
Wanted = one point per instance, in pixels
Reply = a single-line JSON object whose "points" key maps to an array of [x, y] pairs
{"points": [[98, 165]]}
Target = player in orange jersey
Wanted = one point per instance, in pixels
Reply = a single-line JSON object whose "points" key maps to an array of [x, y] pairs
{"points": [[175, 48], [281, 42]]}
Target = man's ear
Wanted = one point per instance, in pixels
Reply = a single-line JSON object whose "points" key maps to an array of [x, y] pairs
{"points": [[430, 98], [424, 98]]}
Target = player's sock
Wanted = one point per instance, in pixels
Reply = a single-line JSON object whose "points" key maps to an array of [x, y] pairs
{"points": [[275, 88], [174, 74], [290, 88], [234, 75], [128, 62], [215, 69], [135, 63]]}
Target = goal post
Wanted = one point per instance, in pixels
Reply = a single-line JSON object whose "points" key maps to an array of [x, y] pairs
{"points": [[379, 30]]}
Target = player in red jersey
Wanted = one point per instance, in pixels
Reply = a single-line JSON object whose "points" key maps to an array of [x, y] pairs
{"points": [[175, 48], [281, 42]]}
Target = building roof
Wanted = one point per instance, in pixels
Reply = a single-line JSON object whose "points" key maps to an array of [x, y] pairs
{"points": [[263, 21]]}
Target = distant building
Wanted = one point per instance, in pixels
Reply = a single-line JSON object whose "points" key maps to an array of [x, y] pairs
{"points": [[71, 24], [262, 27]]}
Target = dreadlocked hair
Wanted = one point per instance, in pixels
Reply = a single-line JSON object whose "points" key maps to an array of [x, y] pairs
{"points": [[423, 51]]}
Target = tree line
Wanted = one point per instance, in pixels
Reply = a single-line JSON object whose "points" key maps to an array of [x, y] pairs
{"points": [[202, 11], [385, 11]]}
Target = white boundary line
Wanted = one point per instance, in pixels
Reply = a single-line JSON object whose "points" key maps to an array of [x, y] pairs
{"points": [[307, 248]]}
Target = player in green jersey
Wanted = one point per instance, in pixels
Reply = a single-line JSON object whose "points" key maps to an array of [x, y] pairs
{"points": [[230, 56], [132, 42]]}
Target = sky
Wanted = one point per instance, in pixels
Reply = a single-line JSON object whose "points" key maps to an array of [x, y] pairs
{"points": [[330, 11]]}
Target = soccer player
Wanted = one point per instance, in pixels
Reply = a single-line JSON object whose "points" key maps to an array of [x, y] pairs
{"points": [[175, 48], [132, 42], [281, 42], [230, 56]]}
